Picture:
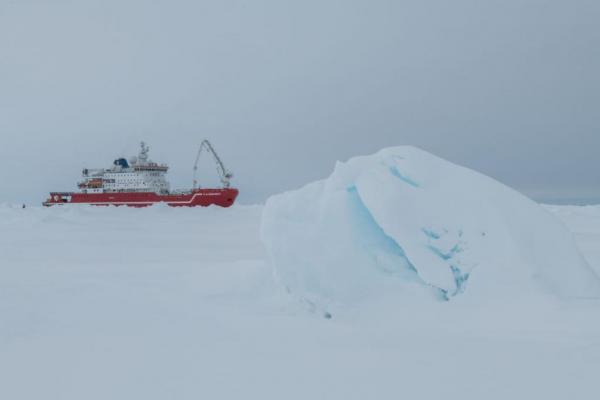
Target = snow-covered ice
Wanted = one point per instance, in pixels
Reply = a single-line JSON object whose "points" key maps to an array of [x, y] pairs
{"points": [[403, 218], [161, 303]]}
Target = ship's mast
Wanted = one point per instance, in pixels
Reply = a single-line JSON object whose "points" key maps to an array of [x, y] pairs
{"points": [[143, 155]]}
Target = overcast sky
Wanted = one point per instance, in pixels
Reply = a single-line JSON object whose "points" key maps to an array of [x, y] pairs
{"points": [[283, 89]]}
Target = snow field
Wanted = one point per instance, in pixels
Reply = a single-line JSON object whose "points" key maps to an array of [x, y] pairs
{"points": [[159, 303]]}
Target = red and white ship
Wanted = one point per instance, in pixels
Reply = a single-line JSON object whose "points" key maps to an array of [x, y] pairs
{"points": [[140, 182]]}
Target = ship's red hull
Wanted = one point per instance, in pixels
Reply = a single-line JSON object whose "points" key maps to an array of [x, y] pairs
{"points": [[195, 198]]}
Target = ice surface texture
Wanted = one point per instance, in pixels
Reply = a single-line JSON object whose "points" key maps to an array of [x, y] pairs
{"points": [[405, 221]]}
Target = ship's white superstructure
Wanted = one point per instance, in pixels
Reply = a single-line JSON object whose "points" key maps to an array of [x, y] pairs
{"points": [[139, 174]]}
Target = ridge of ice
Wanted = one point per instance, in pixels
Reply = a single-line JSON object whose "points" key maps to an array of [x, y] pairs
{"points": [[403, 219]]}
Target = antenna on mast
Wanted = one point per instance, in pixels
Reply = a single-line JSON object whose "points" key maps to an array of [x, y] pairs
{"points": [[144, 149]]}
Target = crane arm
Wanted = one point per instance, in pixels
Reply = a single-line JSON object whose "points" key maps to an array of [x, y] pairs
{"points": [[224, 174]]}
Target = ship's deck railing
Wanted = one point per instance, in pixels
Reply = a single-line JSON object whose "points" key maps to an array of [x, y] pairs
{"points": [[61, 193]]}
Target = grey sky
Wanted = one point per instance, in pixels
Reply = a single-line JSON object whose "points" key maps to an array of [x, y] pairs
{"points": [[284, 89]]}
